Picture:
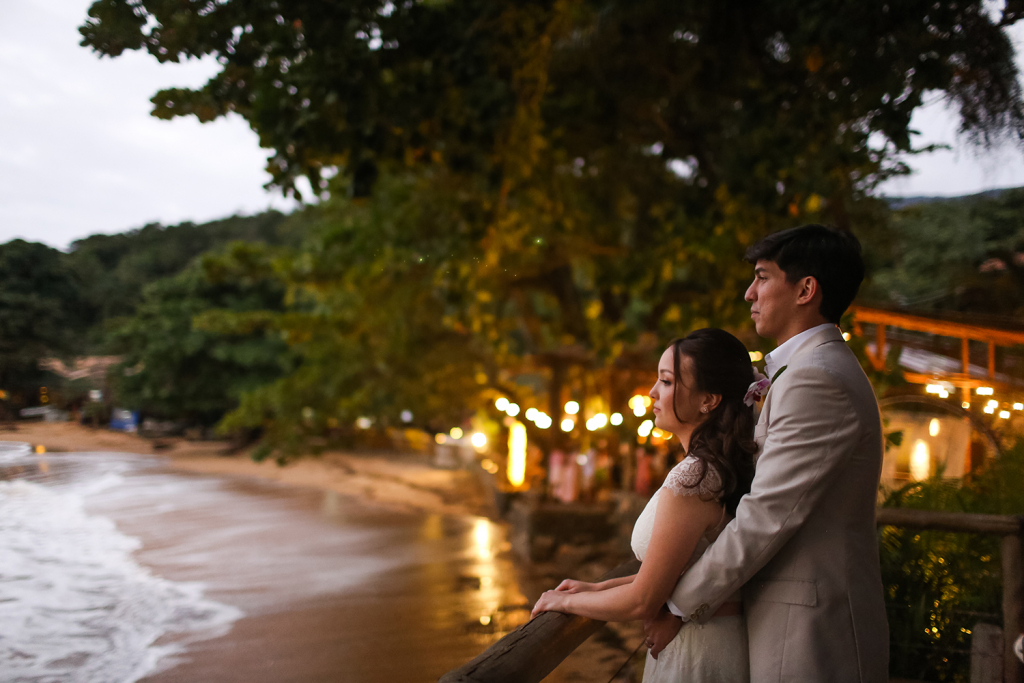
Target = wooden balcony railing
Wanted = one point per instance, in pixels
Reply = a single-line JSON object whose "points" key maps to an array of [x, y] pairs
{"points": [[532, 651]]}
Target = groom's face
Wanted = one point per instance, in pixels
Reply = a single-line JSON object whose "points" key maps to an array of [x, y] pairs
{"points": [[773, 299]]}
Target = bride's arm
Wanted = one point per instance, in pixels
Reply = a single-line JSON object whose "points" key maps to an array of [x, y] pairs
{"points": [[679, 523], [573, 586]]}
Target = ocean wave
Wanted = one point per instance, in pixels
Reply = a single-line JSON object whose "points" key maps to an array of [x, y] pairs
{"points": [[74, 604]]}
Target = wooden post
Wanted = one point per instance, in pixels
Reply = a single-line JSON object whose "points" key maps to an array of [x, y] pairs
{"points": [[991, 360], [1013, 606]]}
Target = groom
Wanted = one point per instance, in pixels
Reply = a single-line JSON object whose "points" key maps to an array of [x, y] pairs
{"points": [[803, 543]]}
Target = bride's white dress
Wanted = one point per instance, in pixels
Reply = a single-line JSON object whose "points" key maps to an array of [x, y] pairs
{"points": [[717, 651]]}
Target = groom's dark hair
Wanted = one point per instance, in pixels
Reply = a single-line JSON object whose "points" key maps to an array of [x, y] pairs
{"points": [[830, 256]]}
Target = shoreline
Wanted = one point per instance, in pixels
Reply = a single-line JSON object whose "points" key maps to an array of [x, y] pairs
{"points": [[402, 481], [303, 637]]}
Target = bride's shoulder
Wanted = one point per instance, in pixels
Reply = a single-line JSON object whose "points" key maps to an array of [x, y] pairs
{"points": [[693, 476]]}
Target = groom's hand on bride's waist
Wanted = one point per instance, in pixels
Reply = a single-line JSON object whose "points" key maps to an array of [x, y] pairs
{"points": [[661, 630]]}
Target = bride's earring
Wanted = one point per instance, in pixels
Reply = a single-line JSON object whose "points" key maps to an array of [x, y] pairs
{"points": [[704, 409]]}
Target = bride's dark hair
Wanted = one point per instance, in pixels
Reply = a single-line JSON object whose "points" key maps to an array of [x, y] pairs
{"points": [[720, 364]]}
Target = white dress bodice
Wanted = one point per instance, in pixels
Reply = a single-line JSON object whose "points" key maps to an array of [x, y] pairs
{"points": [[682, 480]]}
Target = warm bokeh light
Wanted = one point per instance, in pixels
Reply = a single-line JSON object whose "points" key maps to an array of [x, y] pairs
{"points": [[984, 391], [440, 438], [920, 461], [572, 407], [1018, 406], [966, 405], [993, 403], [616, 419], [990, 409], [512, 409], [645, 428], [482, 539], [517, 454], [1004, 414], [40, 448], [531, 414], [479, 439], [456, 433], [501, 404], [543, 421], [846, 336], [756, 356], [933, 427], [567, 425]]}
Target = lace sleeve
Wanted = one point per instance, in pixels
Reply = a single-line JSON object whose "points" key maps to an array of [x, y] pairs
{"points": [[685, 479]]}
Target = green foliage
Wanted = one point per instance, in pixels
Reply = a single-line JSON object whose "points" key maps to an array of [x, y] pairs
{"points": [[552, 176], [939, 585], [961, 255], [115, 269], [174, 370], [40, 314]]}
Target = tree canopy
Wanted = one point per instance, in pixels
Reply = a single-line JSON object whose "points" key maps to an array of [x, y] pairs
{"points": [[506, 184]]}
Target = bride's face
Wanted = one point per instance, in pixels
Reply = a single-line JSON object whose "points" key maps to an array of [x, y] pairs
{"points": [[680, 391]]}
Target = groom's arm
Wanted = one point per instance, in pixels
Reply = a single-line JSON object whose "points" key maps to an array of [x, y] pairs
{"points": [[814, 430]]}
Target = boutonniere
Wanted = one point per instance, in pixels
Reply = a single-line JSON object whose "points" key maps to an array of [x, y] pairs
{"points": [[758, 389]]}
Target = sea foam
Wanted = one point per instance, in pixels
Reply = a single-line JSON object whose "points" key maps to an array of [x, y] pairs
{"points": [[74, 604]]}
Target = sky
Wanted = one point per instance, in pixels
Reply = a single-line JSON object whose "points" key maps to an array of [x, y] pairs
{"points": [[80, 154]]}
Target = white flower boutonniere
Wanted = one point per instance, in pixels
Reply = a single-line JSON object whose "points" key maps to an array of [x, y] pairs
{"points": [[758, 389]]}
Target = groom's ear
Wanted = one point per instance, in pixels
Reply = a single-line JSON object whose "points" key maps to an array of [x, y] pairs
{"points": [[808, 290]]}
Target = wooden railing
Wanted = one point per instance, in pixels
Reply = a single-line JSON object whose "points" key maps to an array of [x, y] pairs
{"points": [[1011, 528], [533, 650]]}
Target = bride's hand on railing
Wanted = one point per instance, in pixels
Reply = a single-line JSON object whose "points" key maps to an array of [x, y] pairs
{"points": [[550, 601]]}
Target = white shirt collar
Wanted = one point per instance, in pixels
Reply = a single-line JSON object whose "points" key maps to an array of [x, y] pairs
{"points": [[780, 356]]}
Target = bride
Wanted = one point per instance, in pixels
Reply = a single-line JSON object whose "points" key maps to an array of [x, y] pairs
{"points": [[703, 396]]}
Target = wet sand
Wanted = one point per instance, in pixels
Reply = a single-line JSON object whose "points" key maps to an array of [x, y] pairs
{"points": [[347, 568]]}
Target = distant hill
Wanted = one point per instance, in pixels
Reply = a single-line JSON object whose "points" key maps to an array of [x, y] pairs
{"points": [[896, 203], [114, 269]]}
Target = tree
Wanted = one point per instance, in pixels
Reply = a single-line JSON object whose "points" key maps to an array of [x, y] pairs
{"points": [[114, 269], [962, 255], [578, 178], [173, 370], [41, 314]]}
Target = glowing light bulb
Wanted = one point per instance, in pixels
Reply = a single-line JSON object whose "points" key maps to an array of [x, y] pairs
{"points": [[456, 433], [479, 439], [501, 404], [517, 454], [616, 419], [984, 391], [572, 407], [567, 425], [512, 409], [933, 427]]}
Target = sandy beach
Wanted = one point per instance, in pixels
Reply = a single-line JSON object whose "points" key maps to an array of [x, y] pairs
{"points": [[348, 567]]}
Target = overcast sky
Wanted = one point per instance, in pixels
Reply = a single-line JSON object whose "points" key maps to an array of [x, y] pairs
{"points": [[80, 154]]}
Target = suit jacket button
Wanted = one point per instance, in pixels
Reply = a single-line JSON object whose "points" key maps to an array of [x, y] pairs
{"points": [[704, 607]]}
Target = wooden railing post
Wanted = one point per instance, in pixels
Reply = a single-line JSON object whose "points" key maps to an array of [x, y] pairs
{"points": [[1013, 606]]}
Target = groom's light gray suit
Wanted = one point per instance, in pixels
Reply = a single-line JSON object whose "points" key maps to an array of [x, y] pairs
{"points": [[803, 544]]}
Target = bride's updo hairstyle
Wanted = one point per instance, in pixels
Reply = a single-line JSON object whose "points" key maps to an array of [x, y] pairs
{"points": [[720, 364]]}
